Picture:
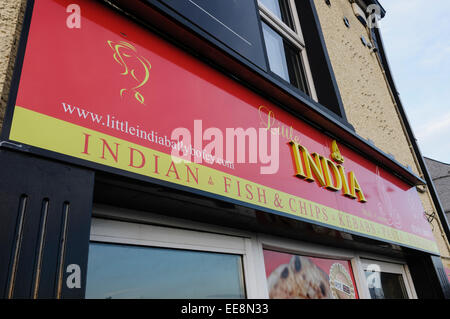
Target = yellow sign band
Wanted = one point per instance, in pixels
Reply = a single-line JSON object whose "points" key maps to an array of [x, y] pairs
{"points": [[56, 135]]}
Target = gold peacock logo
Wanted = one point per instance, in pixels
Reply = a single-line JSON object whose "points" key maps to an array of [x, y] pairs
{"points": [[124, 54]]}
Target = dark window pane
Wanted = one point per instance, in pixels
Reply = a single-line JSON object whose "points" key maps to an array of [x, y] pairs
{"points": [[280, 9], [384, 285], [125, 271], [295, 68], [284, 59]]}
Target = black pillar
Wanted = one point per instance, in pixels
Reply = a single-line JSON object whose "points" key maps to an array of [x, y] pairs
{"points": [[45, 214], [428, 274]]}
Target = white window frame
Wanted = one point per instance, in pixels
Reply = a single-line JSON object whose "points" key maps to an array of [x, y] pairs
{"points": [[393, 267], [119, 225], [304, 249], [122, 226], [294, 37], [356, 259]]}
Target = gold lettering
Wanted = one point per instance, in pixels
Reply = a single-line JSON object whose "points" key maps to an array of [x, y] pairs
{"points": [[335, 153], [345, 188], [312, 164], [314, 167], [335, 185], [355, 188], [297, 160], [270, 118]]}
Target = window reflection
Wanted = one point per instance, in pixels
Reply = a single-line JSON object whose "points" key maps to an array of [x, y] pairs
{"points": [[284, 60], [123, 271], [384, 285], [280, 9]]}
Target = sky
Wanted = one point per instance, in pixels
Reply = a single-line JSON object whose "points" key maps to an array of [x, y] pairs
{"points": [[416, 36]]}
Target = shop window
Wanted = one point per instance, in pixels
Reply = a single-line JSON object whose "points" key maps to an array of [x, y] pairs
{"points": [[117, 271], [133, 260], [297, 276], [153, 256], [284, 44], [387, 280]]}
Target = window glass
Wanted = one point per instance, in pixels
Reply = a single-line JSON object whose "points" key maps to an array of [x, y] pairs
{"points": [[302, 277], [284, 59], [118, 271], [280, 9], [383, 285]]}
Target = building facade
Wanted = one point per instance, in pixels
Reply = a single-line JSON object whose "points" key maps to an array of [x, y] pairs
{"points": [[209, 149], [440, 174]]}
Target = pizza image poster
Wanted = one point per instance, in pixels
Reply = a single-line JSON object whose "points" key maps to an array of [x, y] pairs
{"points": [[302, 277]]}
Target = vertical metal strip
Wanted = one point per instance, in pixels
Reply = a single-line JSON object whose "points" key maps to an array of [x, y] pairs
{"points": [[17, 244], [40, 252], [62, 249]]}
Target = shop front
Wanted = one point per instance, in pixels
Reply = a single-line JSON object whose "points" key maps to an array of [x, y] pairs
{"points": [[176, 180]]}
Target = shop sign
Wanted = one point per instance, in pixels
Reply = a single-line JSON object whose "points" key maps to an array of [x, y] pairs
{"points": [[113, 96]]}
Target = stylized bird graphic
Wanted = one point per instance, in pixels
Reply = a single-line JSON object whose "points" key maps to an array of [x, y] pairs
{"points": [[123, 51]]}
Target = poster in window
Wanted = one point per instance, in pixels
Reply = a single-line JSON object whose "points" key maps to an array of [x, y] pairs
{"points": [[303, 277]]}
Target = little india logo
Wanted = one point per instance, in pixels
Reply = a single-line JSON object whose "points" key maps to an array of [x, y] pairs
{"points": [[325, 171], [126, 54]]}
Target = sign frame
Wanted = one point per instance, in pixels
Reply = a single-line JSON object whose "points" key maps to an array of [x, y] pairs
{"points": [[6, 142]]}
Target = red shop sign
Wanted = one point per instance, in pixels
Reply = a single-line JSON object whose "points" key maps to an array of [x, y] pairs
{"points": [[114, 96]]}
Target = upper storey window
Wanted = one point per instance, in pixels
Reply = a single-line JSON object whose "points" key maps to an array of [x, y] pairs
{"points": [[284, 44]]}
